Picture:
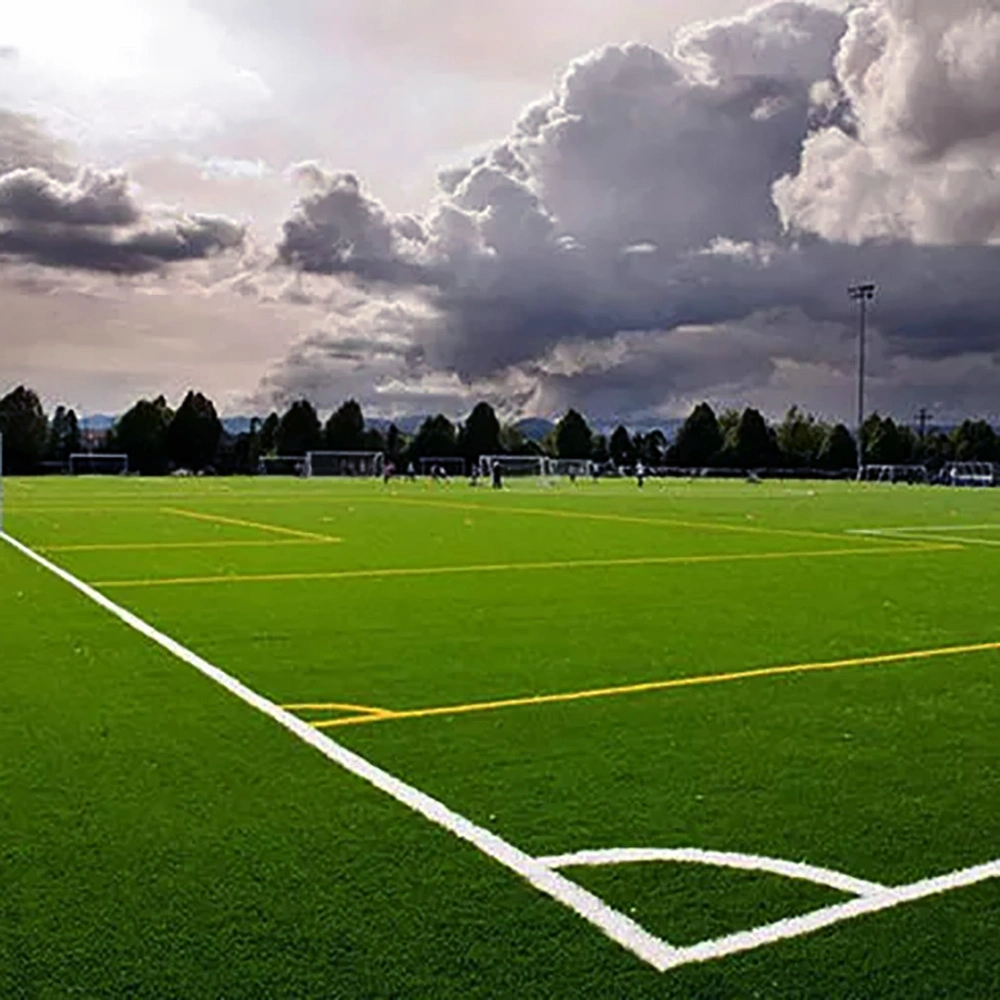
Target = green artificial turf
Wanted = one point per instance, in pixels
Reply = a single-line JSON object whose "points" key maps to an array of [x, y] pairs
{"points": [[160, 838]]}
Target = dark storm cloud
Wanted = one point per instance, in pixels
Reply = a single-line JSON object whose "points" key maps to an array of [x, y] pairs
{"points": [[136, 252], [94, 198], [91, 221]]}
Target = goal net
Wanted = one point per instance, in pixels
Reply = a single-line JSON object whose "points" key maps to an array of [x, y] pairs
{"points": [[281, 465], [97, 464], [452, 466], [344, 463], [971, 474], [573, 468], [513, 465], [894, 474]]}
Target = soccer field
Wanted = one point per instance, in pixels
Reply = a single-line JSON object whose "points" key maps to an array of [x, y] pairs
{"points": [[334, 739]]}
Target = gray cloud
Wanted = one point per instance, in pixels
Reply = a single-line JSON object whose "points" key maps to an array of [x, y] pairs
{"points": [[629, 240], [94, 198], [922, 78], [94, 220]]}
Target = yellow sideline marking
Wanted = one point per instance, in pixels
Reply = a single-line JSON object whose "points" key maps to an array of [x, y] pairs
{"points": [[618, 518], [239, 522], [354, 574], [336, 706], [546, 699], [144, 546]]}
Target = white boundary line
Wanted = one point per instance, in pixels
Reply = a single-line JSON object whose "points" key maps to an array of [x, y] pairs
{"points": [[706, 951], [615, 925], [539, 872], [722, 859]]}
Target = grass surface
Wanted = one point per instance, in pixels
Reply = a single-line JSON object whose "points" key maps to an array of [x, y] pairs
{"points": [[159, 838]]}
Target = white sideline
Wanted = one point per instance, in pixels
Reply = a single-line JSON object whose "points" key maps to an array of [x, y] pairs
{"points": [[615, 925], [722, 859], [539, 872]]}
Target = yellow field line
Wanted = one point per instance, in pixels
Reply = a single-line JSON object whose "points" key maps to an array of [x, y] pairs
{"points": [[678, 682], [618, 518], [354, 574], [152, 546], [335, 706], [239, 522]]}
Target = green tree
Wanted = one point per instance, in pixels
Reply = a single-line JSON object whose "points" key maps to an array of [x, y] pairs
{"points": [[886, 443], [754, 447], [141, 433], [436, 438], [599, 451], [574, 439], [621, 447], [699, 441], [514, 442], [975, 441], [480, 434], [345, 430], [298, 430], [194, 433], [839, 451], [393, 442], [64, 435], [653, 450], [269, 434], [25, 431], [800, 438]]}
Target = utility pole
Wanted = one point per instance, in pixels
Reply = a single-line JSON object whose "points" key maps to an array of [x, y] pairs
{"points": [[922, 416], [862, 294]]}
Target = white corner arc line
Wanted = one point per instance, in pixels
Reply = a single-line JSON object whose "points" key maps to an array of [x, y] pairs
{"points": [[793, 927], [594, 910], [722, 859]]}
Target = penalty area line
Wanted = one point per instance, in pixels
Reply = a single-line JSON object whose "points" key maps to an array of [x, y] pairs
{"points": [[615, 925], [241, 523], [882, 659]]}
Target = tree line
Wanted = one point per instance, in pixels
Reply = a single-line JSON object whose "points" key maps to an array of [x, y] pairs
{"points": [[159, 439]]}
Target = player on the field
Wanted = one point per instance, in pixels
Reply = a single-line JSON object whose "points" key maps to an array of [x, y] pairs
{"points": [[640, 474]]}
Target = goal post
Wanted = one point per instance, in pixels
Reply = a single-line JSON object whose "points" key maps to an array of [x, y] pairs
{"points": [[362, 464], [523, 466], [571, 468], [971, 474], [94, 463], [895, 474]]}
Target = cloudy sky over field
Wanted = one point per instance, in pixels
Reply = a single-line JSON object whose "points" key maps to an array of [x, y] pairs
{"points": [[566, 202]]}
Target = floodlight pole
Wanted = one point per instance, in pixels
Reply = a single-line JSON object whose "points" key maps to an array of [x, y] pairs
{"points": [[862, 294]]}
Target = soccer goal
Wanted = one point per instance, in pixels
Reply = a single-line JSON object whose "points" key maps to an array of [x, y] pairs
{"points": [[571, 468], [895, 474], [523, 466], [344, 463], [281, 465], [86, 463], [452, 466], [970, 474]]}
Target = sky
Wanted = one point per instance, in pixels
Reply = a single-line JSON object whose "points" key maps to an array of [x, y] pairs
{"points": [[623, 207]]}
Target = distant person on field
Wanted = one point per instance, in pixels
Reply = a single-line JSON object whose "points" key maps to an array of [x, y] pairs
{"points": [[640, 474], [411, 473], [387, 471], [497, 476]]}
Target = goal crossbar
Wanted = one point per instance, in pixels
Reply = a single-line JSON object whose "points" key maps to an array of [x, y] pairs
{"points": [[344, 463], [97, 463]]}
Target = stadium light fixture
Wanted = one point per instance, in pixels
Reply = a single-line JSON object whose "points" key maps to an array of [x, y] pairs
{"points": [[862, 294]]}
